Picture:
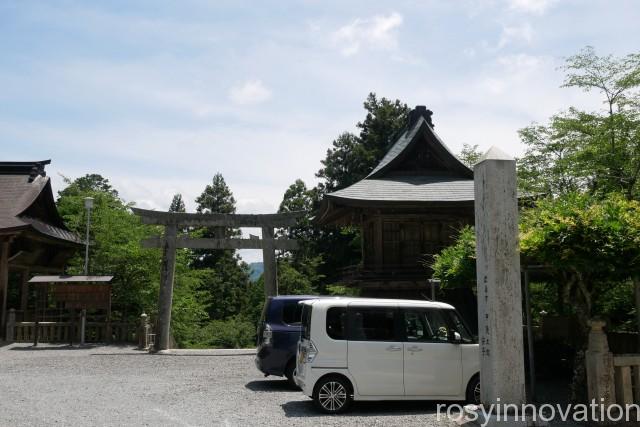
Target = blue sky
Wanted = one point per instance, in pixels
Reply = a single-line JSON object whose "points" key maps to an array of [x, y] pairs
{"points": [[159, 95]]}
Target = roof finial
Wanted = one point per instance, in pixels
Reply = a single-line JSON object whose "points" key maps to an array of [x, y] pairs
{"points": [[416, 113]]}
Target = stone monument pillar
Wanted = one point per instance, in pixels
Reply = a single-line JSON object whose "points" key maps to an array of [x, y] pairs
{"points": [[498, 274], [599, 365]]}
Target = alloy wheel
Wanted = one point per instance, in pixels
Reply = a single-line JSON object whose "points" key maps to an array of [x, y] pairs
{"points": [[476, 393], [332, 396]]}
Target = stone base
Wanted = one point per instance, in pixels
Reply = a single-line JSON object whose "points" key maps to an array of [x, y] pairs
{"points": [[474, 416]]}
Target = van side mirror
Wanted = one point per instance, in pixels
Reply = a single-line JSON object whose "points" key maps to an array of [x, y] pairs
{"points": [[455, 337]]}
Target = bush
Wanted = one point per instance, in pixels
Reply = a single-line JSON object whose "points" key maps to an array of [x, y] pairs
{"points": [[234, 332]]}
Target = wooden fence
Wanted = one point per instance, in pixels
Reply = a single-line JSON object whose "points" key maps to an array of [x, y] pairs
{"points": [[64, 332], [611, 378], [627, 378]]}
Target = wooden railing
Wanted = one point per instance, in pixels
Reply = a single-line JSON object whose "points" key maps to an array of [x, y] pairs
{"points": [[611, 379], [48, 331], [61, 332], [95, 332], [627, 378]]}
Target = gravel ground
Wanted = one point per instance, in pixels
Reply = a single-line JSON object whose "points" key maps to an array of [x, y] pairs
{"points": [[116, 386]]}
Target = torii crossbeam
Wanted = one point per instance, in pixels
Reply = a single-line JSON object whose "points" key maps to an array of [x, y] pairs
{"points": [[169, 242]]}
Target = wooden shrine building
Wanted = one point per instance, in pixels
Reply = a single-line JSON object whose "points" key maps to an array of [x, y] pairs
{"points": [[33, 236], [409, 207]]}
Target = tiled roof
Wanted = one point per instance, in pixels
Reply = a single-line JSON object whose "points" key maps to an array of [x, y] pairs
{"points": [[19, 190], [409, 188], [385, 184]]}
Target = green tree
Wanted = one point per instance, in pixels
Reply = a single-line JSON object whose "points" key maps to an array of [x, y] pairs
{"points": [[177, 204], [115, 244], [455, 265], [470, 154], [598, 152], [88, 184], [588, 244], [216, 198], [225, 278], [352, 157]]}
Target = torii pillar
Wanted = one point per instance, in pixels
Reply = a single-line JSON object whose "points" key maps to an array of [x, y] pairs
{"points": [[498, 277]]}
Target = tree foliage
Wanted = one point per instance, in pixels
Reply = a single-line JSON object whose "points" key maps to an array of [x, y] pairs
{"points": [[115, 249], [597, 152], [177, 204], [211, 307], [455, 265], [352, 157], [216, 198], [470, 154], [587, 243]]}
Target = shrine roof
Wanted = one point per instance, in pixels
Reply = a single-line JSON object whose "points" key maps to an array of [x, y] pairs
{"points": [[418, 169], [27, 203]]}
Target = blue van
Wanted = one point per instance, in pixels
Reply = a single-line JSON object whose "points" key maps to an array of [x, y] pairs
{"points": [[278, 335]]}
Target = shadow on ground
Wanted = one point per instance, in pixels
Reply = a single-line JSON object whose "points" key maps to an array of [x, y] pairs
{"points": [[305, 408], [270, 386], [50, 347]]}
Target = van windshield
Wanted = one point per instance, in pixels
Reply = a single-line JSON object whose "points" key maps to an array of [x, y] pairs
{"points": [[459, 326], [306, 321]]}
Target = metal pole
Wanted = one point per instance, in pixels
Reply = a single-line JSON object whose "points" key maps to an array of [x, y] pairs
{"points": [[86, 249], [636, 286], [83, 324], [36, 330], [532, 367]]}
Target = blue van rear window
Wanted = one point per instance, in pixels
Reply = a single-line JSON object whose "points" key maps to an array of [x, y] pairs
{"points": [[291, 313]]}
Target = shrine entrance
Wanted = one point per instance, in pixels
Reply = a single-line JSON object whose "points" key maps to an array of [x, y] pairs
{"points": [[170, 241]]}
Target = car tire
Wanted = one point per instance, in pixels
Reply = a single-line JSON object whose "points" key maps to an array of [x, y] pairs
{"points": [[290, 372], [332, 395], [473, 391]]}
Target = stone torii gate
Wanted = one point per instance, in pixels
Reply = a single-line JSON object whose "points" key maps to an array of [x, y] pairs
{"points": [[169, 242]]}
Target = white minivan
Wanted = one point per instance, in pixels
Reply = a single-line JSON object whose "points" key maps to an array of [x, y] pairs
{"points": [[379, 349]]}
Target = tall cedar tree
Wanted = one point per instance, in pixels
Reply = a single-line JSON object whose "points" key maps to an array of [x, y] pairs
{"points": [[351, 158], [216, 198], [226, 278], [177, 204]]}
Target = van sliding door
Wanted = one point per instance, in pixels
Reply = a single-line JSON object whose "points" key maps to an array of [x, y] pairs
{"points": [[432, 364], [375, 351]]}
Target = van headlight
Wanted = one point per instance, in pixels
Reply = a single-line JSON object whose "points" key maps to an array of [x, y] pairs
{"points": [[312, 352]]}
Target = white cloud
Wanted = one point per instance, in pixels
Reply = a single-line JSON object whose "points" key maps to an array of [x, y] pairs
{"points": [[251, 92], [377, 32], [522, 33], [537, 7]]}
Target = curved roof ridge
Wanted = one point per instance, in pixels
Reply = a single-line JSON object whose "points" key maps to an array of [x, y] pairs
{"points": [[31, 195], [405, 141]]}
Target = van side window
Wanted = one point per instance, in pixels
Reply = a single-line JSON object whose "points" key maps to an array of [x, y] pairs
{"points": [[372, 324], [336, 322], [306, 321], [425, 325], [291, 313]]}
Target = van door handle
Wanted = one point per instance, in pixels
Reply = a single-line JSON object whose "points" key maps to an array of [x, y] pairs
{"points": [[414, 348], [393, 348]]}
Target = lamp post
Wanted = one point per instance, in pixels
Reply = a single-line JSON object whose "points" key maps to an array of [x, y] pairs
{"points": [[433, 284], [88, 204]]}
